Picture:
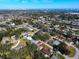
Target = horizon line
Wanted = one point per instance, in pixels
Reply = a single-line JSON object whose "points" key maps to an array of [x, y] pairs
{"points": [[34, 8]]}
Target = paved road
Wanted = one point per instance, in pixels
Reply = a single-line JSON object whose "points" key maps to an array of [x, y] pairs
{"points": [[77, 51], [76, 55], [69, 44], [16, 44]]}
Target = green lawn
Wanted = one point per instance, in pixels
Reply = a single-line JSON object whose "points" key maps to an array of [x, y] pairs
{"points": [[41, 36], [28, 57], [60, 56], [72, 51], [77, 32]]}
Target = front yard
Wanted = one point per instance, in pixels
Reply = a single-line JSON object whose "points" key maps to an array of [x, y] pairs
{"points": [[72, 52]]}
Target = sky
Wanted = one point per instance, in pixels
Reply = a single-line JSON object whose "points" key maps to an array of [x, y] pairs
{"points": [[38, 4]]}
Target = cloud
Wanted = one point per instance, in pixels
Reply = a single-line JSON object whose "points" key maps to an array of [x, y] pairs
{"points": [[21, 1], [24, 1], [42, 0]]}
